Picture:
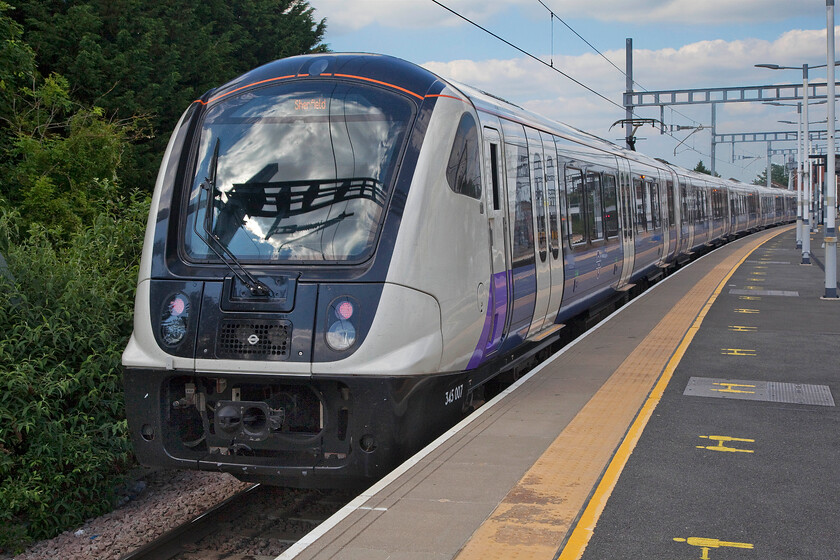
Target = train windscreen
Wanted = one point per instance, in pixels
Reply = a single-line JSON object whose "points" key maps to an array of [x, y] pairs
{"points": [[295, 172]]}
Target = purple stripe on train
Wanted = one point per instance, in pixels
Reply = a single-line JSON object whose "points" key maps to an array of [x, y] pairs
{"points": [[494, 321]]}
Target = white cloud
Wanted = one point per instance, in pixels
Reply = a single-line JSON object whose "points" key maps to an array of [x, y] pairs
{"points": [[687, 11], [698, 65], [349, 15]]}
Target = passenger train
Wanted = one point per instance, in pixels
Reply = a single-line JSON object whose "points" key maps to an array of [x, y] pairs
{"points": [[344, 249]]}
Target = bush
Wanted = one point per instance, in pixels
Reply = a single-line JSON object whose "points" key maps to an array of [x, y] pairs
{"points": [[63, 325]]}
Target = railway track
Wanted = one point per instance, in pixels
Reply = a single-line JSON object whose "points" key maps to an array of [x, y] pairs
{"points": [[256, 524]]}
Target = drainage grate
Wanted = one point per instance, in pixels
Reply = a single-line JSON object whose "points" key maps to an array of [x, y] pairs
{"points": [[768, 391], [252, 339]]}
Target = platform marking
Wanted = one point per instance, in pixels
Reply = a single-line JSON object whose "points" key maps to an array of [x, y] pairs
{"points": [[759, 273], [739, 328], [726, 439], [747, 311], [751, 298], [756, 290], [729, 388], [759, 267], [755, 279], [767, 391], [583, 530], [708, 544], [737, 352]]}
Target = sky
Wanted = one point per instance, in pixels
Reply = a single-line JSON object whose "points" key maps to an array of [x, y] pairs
{"points": [[677, 44]]}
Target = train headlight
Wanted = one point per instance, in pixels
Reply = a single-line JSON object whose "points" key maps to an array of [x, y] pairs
{"points": [[173, 321], [341, 334]]}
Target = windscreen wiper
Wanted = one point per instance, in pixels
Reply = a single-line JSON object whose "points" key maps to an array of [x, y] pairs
{"points": [[256, 287]]}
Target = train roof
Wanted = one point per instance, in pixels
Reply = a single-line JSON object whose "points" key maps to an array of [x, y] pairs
{"points": [[375, 68], [419, 82]]}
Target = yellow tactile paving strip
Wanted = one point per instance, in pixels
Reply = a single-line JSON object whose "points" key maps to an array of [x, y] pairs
{"points": [[533, 520]]}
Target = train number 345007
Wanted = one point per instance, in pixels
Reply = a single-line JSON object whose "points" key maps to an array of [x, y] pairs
{"points": [[453, 395]]}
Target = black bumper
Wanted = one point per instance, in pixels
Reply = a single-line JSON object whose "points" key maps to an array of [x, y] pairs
{"points": [[340, 431]]}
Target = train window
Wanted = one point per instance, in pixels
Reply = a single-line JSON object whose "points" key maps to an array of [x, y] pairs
{"points": [[463, 172], [700, 205], [551, 190], [684, 193], [574, 207], [539, 201], [610, 206], [494, 173], [653, 211], [641, 205], [669, 186], [301, 169], [523, 221], [594, 206]]}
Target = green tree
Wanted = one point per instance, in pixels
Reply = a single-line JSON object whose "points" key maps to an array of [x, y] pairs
{"points": [[134, 57], [701, 168], [64, 446], [17, 60], [778, 175], [61, 158], [72, 243]]}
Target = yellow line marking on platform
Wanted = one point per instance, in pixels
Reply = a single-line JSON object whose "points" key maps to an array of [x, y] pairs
{"points": [[737, 352], [537, 514], [730, 389], [726, 439], [739, 328], [751, 298], [747, 311], [707, 544]]}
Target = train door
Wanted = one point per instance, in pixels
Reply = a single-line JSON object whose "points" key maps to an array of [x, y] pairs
{"points": [[555, 246], [541, 230], [627, 209], [686, 216], [495, 200], [661, 203], [521, 228], [671, 184]]}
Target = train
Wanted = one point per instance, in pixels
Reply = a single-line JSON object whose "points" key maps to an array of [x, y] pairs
{"points": [[344, 251]]}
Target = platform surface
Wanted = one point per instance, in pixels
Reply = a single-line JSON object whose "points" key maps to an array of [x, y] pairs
{"points": [[696, 422]]}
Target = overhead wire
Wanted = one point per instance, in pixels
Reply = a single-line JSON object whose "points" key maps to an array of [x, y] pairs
{"points": [[526, 53], [554, 15], [544, 63]]}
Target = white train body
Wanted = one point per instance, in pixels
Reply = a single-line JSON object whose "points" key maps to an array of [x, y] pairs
{"points": [[343, 249]]}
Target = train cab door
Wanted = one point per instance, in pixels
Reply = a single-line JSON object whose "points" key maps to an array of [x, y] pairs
{"points": [[628, 210], [495, 200]]}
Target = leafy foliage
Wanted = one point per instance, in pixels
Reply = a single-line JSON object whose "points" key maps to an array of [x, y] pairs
{"points": [[701, 168], [778, 175], [134, 57], [61, 159], [82, 84], [63, 326]]}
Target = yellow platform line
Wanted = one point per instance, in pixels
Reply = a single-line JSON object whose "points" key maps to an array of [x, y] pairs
{"points": [[535, 517]]}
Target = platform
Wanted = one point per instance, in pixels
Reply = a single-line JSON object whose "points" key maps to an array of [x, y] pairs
{"points": [[698, 421]]}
